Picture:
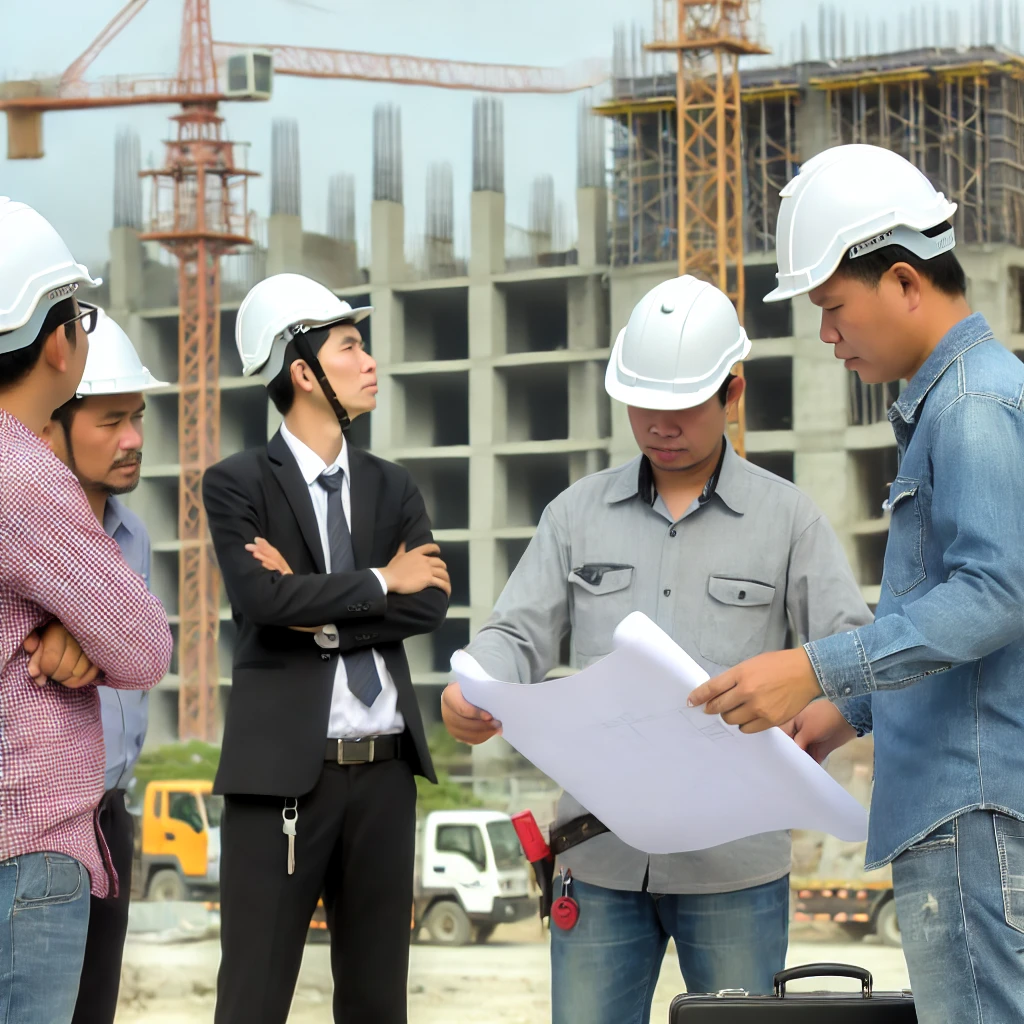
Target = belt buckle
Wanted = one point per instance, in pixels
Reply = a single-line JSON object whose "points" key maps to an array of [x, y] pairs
{"points": [[356, 743]]}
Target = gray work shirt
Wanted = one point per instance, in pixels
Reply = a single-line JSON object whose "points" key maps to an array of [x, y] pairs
{"points": [[753, 555], [125, 713]]}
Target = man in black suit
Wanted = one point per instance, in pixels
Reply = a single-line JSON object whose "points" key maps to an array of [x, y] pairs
{"points": [[329, 565]]}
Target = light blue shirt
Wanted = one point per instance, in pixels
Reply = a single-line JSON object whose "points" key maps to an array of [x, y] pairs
{"points": [[939, 675], [125, 713]]}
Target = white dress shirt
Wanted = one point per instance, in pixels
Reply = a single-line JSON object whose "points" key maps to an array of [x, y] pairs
{"points": [[350, 718]]}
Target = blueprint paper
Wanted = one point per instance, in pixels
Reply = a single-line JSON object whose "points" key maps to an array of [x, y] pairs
{"points": [[665, 778]]}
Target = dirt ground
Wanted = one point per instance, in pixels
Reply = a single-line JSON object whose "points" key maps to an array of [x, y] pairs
{"points": [[504, 981]]}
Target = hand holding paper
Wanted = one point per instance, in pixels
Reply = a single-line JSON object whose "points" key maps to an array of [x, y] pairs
{"points": [[621, 739]]}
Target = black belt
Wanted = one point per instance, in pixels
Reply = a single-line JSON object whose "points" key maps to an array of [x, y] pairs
{"points": [[574, 832], [375, 748]]}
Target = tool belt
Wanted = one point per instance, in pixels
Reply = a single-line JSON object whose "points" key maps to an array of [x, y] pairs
{"points": [[563, 838]]}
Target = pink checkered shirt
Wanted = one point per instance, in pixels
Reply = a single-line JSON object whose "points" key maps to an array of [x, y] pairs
{"points": [[57, 563]]}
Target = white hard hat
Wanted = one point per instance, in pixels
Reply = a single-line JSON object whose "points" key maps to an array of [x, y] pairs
{"points": [[113, 367], [36, 271], [681, 342], [854, 198], [277, 305]]}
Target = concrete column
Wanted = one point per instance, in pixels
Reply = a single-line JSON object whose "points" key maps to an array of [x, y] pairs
{"points": [[284, 244], [387, 242], [387, 343], [813, 124], [127, 256], [592, 218], [487, 234]]}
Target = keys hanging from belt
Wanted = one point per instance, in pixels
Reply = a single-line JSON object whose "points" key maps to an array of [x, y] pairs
{"points": [[290, 818]]}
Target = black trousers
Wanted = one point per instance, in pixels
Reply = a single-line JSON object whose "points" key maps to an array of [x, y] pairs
{"points": [[354, 846], [108, 920]]}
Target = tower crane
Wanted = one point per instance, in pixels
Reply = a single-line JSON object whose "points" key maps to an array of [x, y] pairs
{"points": [[200, 213]]}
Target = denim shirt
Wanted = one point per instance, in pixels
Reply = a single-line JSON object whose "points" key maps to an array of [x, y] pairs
{"points": [[939, 674], [125, 713]]}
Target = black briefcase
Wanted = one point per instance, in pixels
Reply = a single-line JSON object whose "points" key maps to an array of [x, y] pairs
{"points": [[734, 1006]]}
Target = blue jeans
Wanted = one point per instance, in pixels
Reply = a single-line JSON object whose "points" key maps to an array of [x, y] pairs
{"points": [[605, 969], [44, 902], [960, 902]]}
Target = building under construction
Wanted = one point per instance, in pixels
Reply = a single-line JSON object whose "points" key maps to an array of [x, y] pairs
{"points": [[491, 363]]}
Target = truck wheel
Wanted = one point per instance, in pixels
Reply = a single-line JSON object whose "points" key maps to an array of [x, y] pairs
{"points": [[887, 925], [482, 932], [448, 925], [166, 886]]}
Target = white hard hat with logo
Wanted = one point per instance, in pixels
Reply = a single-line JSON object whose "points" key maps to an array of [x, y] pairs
{"points": [[113, 367], [279, 308], [681, 342], [37, 271], [854, 199]]}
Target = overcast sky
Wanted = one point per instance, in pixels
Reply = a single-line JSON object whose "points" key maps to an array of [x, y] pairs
{"points": [[73, 184]]}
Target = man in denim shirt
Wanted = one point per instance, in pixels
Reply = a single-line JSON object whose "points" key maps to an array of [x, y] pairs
{"points": [[939, 676]]}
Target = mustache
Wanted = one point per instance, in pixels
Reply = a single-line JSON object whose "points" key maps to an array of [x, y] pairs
{"points": [[131, 459]]}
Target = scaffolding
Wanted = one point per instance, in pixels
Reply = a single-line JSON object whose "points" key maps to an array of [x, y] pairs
{"points": [[955, 113]]}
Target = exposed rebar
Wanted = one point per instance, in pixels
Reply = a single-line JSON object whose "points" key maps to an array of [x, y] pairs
{"points": [[440, 202], [387, 152], [590, 171], [127, 183], [285, 168], [488, 145], [542, 206], [341, 207]]}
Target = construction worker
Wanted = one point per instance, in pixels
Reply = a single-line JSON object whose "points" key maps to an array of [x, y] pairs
{"points": [[70, 609], [98, 436], [722, 555], [938, 675], [323, 733]]}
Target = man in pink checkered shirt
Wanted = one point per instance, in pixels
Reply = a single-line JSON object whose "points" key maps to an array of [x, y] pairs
{"points": [[70, 610]]}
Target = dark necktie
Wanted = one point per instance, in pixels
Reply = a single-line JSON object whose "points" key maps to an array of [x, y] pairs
{"points": [[363, 680]]}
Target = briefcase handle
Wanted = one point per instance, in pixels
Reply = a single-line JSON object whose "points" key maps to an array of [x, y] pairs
{"points": [[823, 971]]}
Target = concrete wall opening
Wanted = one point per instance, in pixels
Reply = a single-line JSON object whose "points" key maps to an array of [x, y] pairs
{"points": [[436, 324], [435, 407], [537, 315], [765, 319], [510, 551], [444, 642], [456, 557], [243, 418], [874, 471], [532, 482], [444, 484], [779, 463], [769, 397], [160, 429], [869, 403], [870, 557], [536, 401]]}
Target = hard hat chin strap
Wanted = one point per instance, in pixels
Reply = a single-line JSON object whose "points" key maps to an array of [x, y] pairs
{"points": [[305, 349]]}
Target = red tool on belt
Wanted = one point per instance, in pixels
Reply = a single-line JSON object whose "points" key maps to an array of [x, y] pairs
{"points": [[564, 912]]}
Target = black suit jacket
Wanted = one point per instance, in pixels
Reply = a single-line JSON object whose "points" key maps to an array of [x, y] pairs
{"points": [[278, 712]]}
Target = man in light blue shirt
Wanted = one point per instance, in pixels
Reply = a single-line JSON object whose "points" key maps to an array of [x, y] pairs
{"points": [[938, 676], [98, 435]]}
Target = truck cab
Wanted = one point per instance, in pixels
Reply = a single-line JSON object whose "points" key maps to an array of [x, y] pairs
{"points": [[470, 877], [177, 841]]}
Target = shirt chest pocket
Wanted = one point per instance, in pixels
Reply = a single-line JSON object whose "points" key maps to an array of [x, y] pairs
{"points": [[602, 596], [904, 551], [734, 620]]}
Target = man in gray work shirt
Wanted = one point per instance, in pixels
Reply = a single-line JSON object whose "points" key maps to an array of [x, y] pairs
{"points": [[98, 435], [723, 556]]}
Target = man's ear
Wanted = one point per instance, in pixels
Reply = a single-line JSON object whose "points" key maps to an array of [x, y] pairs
{"points": [[57, 350], [302, 376], [47, 434], [736, 388]]}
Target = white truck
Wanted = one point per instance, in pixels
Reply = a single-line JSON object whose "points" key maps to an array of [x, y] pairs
{"points": [[470, 876]]}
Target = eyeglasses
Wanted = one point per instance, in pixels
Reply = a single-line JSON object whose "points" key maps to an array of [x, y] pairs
{"points": [[87, 316]]}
